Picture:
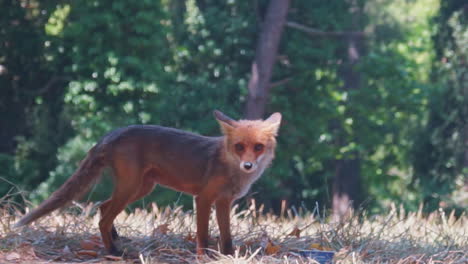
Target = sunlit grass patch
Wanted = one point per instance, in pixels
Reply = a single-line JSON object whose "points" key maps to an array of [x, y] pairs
{"points": [[167, 235]]}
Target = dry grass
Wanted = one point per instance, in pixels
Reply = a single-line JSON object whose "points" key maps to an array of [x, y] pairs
{"points": [[166, 236]]}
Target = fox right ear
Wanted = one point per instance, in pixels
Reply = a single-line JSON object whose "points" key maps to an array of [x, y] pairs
{"points": [[224, 121]]}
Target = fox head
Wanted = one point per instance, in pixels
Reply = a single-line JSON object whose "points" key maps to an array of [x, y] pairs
{"points": [[250, 143]]}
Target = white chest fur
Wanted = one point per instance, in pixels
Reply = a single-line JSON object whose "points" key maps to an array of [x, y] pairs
{"points": [[242, 181]]}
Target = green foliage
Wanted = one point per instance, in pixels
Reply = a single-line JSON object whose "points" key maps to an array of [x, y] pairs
{"points": [[377, 120], [68, 157], [31, 130], [440, 155], [16, 173], [127, 74]]}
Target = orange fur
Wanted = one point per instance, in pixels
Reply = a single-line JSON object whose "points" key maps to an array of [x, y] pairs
{"points": [[216, 170]]}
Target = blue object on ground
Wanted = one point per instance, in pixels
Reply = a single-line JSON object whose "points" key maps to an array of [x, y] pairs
{"points": [[322, 257]]}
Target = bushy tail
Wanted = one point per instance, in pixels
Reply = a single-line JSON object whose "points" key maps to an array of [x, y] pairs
{"points": [[89, 170]]}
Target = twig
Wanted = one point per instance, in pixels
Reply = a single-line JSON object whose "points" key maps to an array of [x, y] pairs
{"points": [[280, 82], [318, 33]]}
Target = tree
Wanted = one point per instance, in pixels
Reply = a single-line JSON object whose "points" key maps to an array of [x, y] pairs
{"points": [[346, 114], [31, 101], [346, 187], [373, 124], [440, 155], [265, 58]]}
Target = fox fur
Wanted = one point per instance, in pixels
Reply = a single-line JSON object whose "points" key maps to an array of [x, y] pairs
{"points": [[215, 170]]}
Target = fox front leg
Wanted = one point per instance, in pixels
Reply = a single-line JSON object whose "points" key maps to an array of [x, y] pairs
{"points": [[223, 210], [203, 205]]}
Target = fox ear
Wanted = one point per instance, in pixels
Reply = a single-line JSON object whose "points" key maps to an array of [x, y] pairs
{"points": [[273, 123], [224, 121]]}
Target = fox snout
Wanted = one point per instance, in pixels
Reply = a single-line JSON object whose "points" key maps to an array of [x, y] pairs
{"points": [[248, 166]]}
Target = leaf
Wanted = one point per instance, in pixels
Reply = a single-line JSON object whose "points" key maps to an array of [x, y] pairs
{"points": [[26, 251], [89, 245], [296, 232], [316, 246], [90, 253], [162, 229], [271, 248]]}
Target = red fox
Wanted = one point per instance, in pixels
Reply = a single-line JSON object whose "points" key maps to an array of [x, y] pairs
{"points": [[216, 170]]}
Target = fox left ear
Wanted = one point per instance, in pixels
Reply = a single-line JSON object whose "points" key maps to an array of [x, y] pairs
{"points": [[274, 122]]}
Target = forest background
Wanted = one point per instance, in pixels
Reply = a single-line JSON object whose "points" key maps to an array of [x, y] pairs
{"points": [[374, 93]]}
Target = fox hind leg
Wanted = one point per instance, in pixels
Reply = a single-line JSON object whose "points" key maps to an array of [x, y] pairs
{"points": [[146, 188], [128, 184], [106, 224], [104, 206]]}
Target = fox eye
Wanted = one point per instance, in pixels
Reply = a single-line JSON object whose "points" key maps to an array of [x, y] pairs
{"points": [[258, 147], [239, 147]]}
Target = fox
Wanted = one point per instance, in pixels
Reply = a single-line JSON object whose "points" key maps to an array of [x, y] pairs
{"points": [[214, 170]]}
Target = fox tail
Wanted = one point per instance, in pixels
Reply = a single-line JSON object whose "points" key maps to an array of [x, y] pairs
{"points": [[79, 183]]}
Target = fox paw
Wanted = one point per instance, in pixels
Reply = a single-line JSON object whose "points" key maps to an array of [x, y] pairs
{"points": [[114, 251]]}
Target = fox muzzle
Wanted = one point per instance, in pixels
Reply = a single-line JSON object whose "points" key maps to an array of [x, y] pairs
{"points": [[248, 166]]}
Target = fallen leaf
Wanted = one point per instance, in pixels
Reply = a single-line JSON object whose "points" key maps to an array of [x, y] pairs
{"points": [[90, 253], [296, 232], [114, 258], [162, 229], [12, 256], [89, 245], [316, 246], [271, 248], [95, 238], [27, 251]]}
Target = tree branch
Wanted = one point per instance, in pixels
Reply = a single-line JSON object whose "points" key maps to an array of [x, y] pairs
{"points": [[280, 82], [44, 89], [318, 33]]}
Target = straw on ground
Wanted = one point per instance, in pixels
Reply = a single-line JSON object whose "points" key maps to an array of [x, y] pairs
{"points": [[167, 235]]}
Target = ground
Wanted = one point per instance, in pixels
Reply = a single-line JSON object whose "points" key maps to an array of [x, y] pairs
{"points": [[156, 235]]}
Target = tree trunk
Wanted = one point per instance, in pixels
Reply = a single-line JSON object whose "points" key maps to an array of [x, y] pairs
{"points": [[347, 181], [465, 161], [265, 57], [346, 187], [465, 131]]}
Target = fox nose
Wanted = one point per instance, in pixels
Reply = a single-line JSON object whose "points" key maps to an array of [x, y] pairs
{"points": [[248, 165]]}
